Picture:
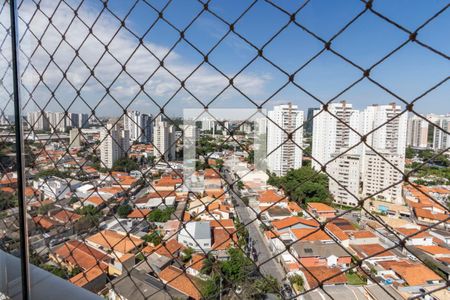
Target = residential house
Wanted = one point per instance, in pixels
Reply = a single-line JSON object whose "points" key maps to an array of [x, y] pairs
{"points": [[113, 241], [196, 235], [180, 281], [321, 211]]}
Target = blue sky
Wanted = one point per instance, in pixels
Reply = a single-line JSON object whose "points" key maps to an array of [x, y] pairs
{"points": [[408, 73]]}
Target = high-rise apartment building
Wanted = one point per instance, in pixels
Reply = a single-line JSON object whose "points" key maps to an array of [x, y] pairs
{"points": [[163, 139], [417, 133], [79, 120], [332, 132], [139, 125], [345, 170], [441, 139], [58, 121], [284, 153], [379, 177], [38, 121], [386, 127], [114, 144]]}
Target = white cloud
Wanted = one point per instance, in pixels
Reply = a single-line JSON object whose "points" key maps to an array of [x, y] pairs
{"points": [[204, 84]]}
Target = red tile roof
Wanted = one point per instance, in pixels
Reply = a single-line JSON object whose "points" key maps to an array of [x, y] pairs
{"points": [[292, 221], [180, 281]]}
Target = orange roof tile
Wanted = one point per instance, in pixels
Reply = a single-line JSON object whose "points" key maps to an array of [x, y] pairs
{"points": [[315, 275], [372, 250], [224, 223], [180, 281], [197, 261], [270, 196], [83, 278], [211, 173], [413, 233], [320, 207], [65, 216], [95, 200], [310, 234], [292, 221], [362, 234], [44, 222], [294, 207], [427, 214], [412, 273], [337, 232], [223, 239], [113, 240], [82, 255], [138, 213], [7, 189], [169, 248], [434, 250], [111, 190]]}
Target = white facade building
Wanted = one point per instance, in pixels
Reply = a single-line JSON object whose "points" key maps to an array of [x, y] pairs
{"points": [[385, 127], [284, 154], [139, 125], [417, 133], [378, 174], [345, 169], [331, 136], [37, 120], [115, 143], [389, 128], [441, 140], [163, 139], [58, 121], [196, 235]]}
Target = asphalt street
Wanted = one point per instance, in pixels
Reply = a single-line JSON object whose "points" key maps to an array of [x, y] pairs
{"points": [[271, 267]]}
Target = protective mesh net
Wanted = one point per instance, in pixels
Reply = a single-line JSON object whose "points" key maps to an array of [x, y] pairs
{"points": [[141, 234]]}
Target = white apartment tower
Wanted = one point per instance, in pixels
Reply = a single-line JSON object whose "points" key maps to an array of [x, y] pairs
{"points": [[441, 139], [283, 153], [389, 128], [332, 133], [379, 175], [331, 138], [115, 143], [38, 120], [417, 133], [139, 125], [346, 170], [163, 139]]}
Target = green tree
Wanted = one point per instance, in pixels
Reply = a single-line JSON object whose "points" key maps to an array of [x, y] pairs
{"points": [[125, 164], [303, 185], [237, 267], [409, 152], [297, 281], [91, 215], [210, 288], [161, 215], [153, 238], [7, 200], [123, 211], [187, 254]]}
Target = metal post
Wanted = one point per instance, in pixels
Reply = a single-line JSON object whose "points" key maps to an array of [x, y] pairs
{"points": [[20, 157]]}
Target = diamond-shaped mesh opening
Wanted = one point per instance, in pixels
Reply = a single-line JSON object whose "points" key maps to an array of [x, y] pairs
{"points": [[350, 198]]}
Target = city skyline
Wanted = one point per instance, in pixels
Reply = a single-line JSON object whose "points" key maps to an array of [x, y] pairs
{"points": [[406, 75]]}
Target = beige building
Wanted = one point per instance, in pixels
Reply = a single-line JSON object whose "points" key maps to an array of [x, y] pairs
{"points": [[378, 175], [114, 144], [163, 139], [345, 169]]}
